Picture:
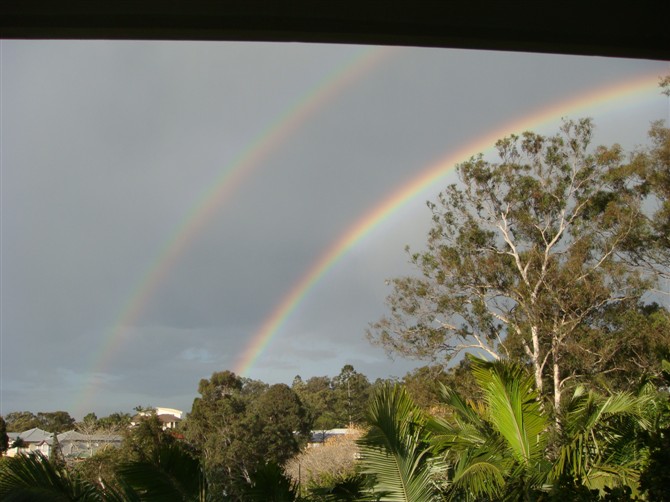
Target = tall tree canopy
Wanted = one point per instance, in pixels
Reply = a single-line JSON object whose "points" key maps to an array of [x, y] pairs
{"points": [[524, 257]]}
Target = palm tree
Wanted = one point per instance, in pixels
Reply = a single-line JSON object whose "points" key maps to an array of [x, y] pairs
{"points": [[495, 448], [172, 474], [269, 483], [33, 478], [395, 449], [599, 440]]}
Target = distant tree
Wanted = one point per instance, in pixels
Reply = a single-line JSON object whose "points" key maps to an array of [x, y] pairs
{"points": [[253, 389], [19, 421], [215, 428], [622, 348], [115, 422], [101, 468], [424, 384], [146, 437], [90, 418], [237, 426], [317, 395], [352, 394], [280, 424], [89, 424], [4, 439], [56, 421]]}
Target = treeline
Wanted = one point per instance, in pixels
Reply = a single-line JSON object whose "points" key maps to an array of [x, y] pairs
{"points": [[61, 421]]}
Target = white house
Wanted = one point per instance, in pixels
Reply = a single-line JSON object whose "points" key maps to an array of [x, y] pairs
{"points": [[169, 417], [34, 440], [73, 444]]}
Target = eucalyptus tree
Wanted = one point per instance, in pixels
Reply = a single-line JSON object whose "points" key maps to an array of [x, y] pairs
{"points": [[352, 392], [236, 425], [522, 254]]}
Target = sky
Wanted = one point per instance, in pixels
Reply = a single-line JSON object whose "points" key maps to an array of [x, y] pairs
{"points": [[172, 209]]}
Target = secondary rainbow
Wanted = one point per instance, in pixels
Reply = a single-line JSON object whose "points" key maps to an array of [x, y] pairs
{"points": [[211, 200], [623, 92]]}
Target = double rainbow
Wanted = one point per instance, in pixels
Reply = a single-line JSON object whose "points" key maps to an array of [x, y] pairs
{"points": [[211, 200], [274, 135], [622, 92]]}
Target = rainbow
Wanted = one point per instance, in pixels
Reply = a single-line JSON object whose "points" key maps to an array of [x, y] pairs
{"points": [[226, 183], [627, 92]]}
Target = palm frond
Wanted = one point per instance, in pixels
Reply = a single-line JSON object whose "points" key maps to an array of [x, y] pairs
{"points": [[172, 476], [395, 449], [600, 435], [33, 478], [514, 408]]}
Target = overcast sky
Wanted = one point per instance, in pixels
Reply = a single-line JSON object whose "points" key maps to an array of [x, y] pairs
{"points": [[107, 147]]}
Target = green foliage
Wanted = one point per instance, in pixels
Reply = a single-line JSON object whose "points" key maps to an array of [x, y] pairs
{"points": [[53, 421], [651, 244], [337, 402], [599, 436], [56, 421], [425, 383], [101, 468], [621, 349], [32, 478], [238, 425], [147, 437], [18, 443], [394, 449], [170, 474], [506, 446], [495, 447], [319, 399], [352, 488], [530, 258], [279, 424], [19, 421], [4, 439], [655, 476], [268, 483], [115, 422], [352, 392]]}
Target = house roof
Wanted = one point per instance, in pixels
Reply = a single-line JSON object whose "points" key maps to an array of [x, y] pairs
{"points": [[78, 436], [35, 435], [167, 418]]}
